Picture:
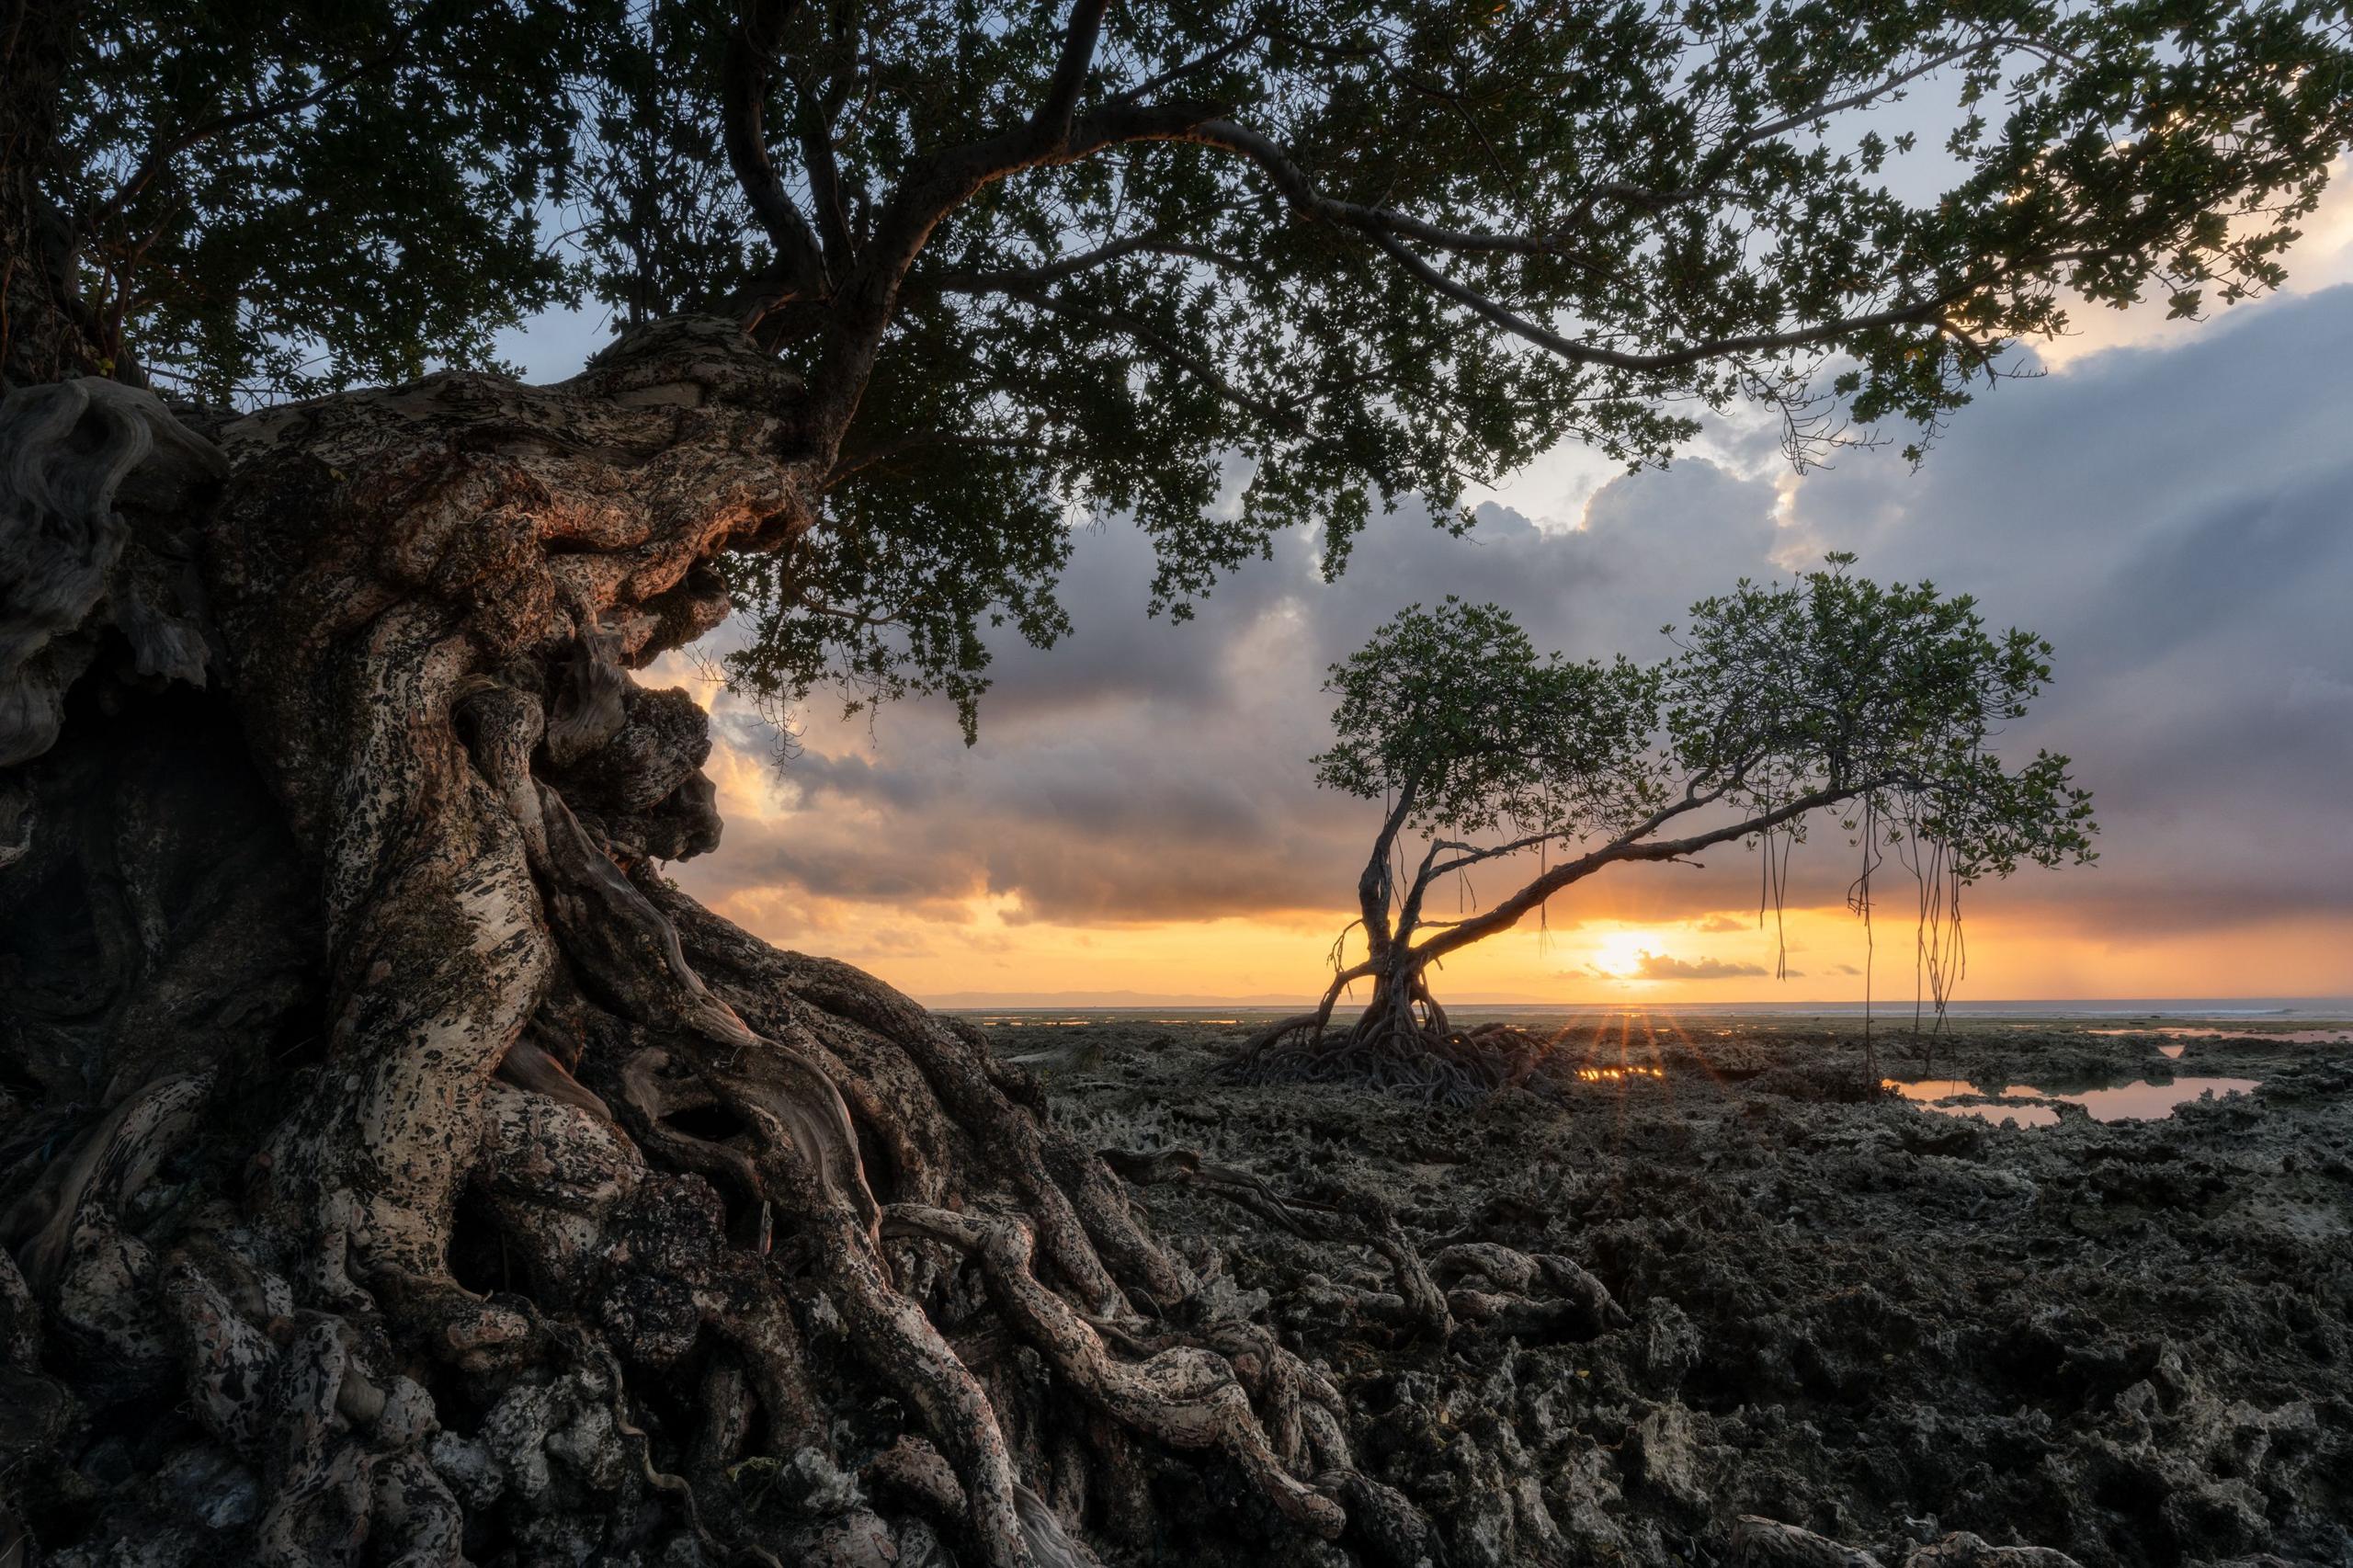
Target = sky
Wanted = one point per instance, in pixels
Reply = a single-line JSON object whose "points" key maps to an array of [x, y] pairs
{"points": [[2170, 504]]}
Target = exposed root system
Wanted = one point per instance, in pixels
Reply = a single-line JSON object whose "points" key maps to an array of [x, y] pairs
{"points": [[1435, 1065]]}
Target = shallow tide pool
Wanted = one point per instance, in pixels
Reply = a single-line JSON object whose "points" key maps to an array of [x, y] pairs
{"points": [[2274, 1037], [2032, 1107]]}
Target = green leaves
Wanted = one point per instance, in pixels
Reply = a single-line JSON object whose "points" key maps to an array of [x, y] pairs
{"points": [[279, 200], [1830, 689], [1296, 258], [1456, 706], [1834, 685]]}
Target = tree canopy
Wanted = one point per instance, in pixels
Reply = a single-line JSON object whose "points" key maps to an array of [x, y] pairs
{"points": [[1228, 268], [1782, 698]]}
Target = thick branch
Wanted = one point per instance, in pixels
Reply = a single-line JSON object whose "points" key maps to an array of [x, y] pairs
{"points": [[1372, 888], [932, 189], [744, 74], [1632, 847], [1051, 123], [1409, 914], [819, 110], [1473, 854]]}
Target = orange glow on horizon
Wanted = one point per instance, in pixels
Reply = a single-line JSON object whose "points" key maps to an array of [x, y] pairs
{"points": [[991, 948]]}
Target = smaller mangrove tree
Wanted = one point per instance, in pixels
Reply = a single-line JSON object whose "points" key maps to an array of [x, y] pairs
{"points": [[1827, 698]]}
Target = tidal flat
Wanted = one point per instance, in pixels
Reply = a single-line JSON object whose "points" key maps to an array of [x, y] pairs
{"points": [[2129, 1341]]}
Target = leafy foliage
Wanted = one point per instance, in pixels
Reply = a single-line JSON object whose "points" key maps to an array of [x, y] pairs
{"points": [[1834, 685], [1454, 708], [277, 200], [1228, 268], [1829, 693]]}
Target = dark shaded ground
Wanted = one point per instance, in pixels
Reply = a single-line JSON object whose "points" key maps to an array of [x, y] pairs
{"points": [[2131, 1342]]}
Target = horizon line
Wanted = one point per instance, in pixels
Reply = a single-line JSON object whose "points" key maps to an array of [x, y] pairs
{"points": [[964, 1001]]}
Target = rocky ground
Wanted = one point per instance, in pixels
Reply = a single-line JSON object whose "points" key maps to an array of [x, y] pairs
{"points": [[2130, 1342]]}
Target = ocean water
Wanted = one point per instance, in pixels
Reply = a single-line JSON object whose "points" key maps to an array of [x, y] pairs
{"points": [[2222, 1009]]}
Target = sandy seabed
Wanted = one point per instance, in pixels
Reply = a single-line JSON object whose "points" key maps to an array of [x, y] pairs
{"points": [[2129, 1341]]}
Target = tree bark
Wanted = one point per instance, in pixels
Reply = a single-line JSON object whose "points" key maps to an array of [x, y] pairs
{"points": [[376, 1111], [47, 332]]}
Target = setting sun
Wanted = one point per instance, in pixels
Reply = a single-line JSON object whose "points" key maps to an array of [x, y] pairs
{"points": [[1620, 955]]}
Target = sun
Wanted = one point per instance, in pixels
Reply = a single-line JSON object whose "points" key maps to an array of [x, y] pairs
{"points": [[1620, 955]]}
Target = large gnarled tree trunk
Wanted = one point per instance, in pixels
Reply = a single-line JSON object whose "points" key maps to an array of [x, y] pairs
{"points": [[401, 1170]]}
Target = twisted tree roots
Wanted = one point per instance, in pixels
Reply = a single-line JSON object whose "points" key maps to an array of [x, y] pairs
{"points": [[1394, 1052]]}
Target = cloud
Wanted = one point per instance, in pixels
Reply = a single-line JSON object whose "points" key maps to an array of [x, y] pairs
{"points": [[2175, 521], [1666, 966]]}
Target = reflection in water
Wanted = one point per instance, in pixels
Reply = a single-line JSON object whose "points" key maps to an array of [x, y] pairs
{"points": [[1932, 1088], [1618, 1075], [2024, 1115], [1926, 1092], [2274, 1037], [2143, 1101], [2172, 1051], [2150, 1102]]}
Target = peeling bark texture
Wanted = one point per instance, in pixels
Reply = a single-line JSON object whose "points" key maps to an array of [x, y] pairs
{"points": [[397, 1170]]}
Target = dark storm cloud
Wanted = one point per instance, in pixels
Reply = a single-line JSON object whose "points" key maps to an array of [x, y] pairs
{"points": [[2175, 521]]}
